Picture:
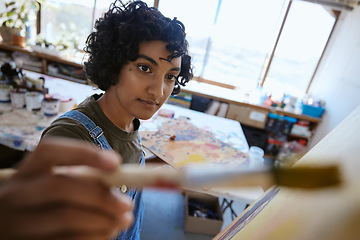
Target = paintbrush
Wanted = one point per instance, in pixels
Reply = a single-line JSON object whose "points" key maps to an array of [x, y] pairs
{"points": [[206, 176]]}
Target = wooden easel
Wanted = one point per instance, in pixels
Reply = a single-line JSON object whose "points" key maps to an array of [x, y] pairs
{"points": [[332, 213]]}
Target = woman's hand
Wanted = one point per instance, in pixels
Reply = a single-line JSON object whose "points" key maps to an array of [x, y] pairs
{"points": [[38, 204]]}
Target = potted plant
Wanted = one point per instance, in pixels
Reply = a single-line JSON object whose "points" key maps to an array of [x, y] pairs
{"points": [[15, 17]]}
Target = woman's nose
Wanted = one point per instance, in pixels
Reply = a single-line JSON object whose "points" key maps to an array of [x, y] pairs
{"points": [[156, 88]]}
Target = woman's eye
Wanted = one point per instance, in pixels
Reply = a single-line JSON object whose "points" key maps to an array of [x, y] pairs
{"points": [[144, 68], [171, 77]]}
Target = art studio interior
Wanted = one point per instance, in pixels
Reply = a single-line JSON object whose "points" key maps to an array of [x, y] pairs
{"points": [[276, 85]]}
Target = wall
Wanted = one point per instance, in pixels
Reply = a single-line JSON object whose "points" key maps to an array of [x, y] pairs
{"points": [[338, 78]]}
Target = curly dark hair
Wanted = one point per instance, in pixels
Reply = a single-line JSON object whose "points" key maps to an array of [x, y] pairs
{"points": [[118, 35]]}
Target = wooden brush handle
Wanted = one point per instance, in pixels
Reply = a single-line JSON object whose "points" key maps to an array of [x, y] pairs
{"points": [[128, 174]]}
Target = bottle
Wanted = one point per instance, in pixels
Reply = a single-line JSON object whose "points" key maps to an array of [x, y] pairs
{"points": [[256, 157]]}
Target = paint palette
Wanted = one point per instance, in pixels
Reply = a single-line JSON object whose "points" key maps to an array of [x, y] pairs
{"points": [[191, 145]]}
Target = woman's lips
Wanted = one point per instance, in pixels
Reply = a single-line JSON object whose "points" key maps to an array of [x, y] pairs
{"points": [[149, 103]]}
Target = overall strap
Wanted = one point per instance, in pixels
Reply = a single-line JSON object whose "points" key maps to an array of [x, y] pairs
{"points": [[142, 161], [95, 131]]}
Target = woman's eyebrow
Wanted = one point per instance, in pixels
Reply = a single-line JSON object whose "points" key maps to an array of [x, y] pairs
{"points": [[148, 58], [155, 63], [160, 58], [176, 69]]}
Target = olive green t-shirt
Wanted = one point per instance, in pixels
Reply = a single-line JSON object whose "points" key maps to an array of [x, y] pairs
{"points": [[125, 143]]}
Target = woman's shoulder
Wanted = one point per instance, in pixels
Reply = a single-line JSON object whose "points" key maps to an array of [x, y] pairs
{"points": [[90, 107], [66, 127]]}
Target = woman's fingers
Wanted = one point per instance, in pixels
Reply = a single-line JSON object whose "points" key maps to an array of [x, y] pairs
{"points": [[68, 222], [75, 220], [36, 203], [54, 206], [60, 151], [60, 189]]}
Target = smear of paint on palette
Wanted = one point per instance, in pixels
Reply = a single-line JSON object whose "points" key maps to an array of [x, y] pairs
{"points": [[192, 145]]}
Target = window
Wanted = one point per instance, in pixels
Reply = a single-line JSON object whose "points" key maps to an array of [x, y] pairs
{"points": [[244, 33], [300, 47], [71, 21], [242, 43], [103, 5], [198, 20], [66, 21], [231, 41]]}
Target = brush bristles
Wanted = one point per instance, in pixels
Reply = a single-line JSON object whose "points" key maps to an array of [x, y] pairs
{"points": [[307, 177]]}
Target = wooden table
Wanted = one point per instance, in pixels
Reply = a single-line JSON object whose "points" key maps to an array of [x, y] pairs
{"points": [[227, 130], [21, 129], [332, 213], [20, 134]]}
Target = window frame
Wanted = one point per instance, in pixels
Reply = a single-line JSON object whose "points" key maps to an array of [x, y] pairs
{"points": [[267, 64]]}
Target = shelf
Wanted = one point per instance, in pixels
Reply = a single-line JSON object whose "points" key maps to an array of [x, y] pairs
{"points": [[228, 96], [73, 79], [269, 156], [299, 136], [46, 59]]}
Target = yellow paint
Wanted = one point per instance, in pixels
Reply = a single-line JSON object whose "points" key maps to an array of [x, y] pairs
{"points": [[194, 158]]}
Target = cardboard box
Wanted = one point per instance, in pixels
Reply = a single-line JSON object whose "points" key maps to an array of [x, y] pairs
{"points": [[202, 225], [249, 116]]}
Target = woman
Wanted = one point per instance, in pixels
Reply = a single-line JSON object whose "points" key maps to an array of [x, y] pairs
{"points": [[139, 58]]}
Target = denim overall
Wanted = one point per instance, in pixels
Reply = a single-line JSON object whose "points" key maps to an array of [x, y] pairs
{"points": [[98, 136]]}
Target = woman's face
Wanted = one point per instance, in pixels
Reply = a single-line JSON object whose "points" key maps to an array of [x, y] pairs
{"points": [[146, 83]]}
